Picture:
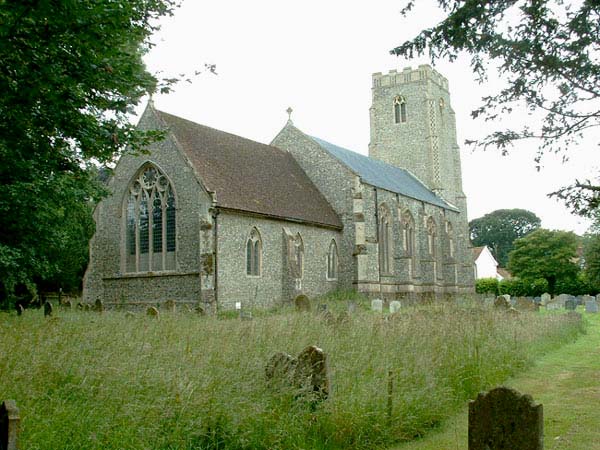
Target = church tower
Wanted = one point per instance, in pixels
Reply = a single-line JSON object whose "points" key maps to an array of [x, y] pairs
{"points": [[413, 127]]}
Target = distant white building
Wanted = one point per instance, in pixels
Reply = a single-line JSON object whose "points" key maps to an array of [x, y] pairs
{"points": [[486, 265]]}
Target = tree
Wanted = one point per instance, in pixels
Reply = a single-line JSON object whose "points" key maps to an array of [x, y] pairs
{"points": [[70, 76], [499, 229], [547, 53], [546, 254], [591, 255]]}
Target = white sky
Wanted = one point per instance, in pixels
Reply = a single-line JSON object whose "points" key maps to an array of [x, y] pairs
{"points": [[317, 56]]}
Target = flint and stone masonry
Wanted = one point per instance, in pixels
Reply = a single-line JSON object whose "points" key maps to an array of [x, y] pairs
{"points": [[212, 219]]}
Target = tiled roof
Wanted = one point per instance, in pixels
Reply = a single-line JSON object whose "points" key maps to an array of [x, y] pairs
{"points": [[380, 174], [250, 176], [477, 251]]}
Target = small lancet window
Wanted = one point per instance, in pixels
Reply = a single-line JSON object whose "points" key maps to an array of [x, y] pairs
{"points": [[386, 244], [332, 261], [150, 223], [253, 254], [399, 109], [431, 236], [450, 235]]}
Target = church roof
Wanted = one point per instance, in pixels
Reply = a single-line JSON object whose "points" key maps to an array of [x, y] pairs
{"points": [[250, 176], [380, 174]]}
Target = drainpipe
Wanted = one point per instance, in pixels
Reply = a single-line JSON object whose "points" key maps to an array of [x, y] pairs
{"points": [[215, 214], [378, 237]]}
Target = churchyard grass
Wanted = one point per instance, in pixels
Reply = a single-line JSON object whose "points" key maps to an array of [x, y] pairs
{"points": [[564, 381], [182, 381]]}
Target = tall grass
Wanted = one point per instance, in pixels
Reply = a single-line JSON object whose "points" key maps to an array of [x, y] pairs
{"points": [[108, 381]]}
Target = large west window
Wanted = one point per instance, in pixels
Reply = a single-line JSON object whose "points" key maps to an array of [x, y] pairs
{"points": [[150, 222]]}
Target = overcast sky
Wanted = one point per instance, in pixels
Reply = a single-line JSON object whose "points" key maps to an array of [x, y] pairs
{"points": [[318, 56]]}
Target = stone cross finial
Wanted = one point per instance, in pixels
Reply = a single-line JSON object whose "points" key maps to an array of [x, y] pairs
{"points": [[289, 111]]}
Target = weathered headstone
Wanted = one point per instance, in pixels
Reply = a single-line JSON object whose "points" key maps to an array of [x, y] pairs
{"points": [[571, 304], [598, 298], [553, 305], [152, 312], [591, 306], [48, 309], [9, 425], [351, 307], [587, 298], [302, 303], [245, 315], [200, 310], [502, 302], [280, 368], [561, 299], [310, 373], [395, 306], [503, 419], [546, 298], [19, 308], [170, 305], [98, 306], [525, 304], [377, 305]]}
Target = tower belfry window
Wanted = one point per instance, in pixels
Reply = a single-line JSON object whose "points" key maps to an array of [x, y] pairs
{"points": [[399, 109]]}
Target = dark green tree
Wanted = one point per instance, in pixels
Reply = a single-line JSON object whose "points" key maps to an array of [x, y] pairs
{"points": [[499, 229], [546, 52], [70, 76], [591, 256], [547, 254]]}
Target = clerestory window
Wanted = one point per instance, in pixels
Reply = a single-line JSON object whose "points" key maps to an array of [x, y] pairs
{"points": [[150, 222]]}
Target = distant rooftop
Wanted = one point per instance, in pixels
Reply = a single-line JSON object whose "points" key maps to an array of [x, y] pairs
{"points": [[380, 174]]}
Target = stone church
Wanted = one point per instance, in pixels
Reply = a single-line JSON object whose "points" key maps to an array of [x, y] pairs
{"points": [[212, 219]]}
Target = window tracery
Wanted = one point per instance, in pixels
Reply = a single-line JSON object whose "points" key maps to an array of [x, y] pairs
{"points": [[254, 254], [150, 222], [399, 109], [385, 240]]}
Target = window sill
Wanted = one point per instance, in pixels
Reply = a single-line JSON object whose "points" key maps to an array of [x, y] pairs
{"points": [[163, 273]]}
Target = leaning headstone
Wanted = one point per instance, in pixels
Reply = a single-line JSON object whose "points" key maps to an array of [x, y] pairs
{"points": [[503, 419], [98, 306], [377, 305], [546, 298], [20, 309], [302, 303], [395, 306], [502, 302], [152, 312], [280, 368], [571, 304], [310, 373], [9, 425], [47, 309], [591, 306], [170, 305]]}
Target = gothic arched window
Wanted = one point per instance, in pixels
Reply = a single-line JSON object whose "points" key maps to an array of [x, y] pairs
{"points": [[408, 239], [399, 109], [450, 235], [431, 236], [254, 254], [332, 261], [386, 244], [297, 255], [150, 222]]}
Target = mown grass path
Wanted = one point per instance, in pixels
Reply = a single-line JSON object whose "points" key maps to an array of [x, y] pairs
{"points": [[566, 382]]}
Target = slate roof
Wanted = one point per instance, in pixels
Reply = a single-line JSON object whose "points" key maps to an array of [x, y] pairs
{"points": [[477, 251], [380, 174], [250, 176]]}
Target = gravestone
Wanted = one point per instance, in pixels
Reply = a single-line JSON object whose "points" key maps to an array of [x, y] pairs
{"points": [[47, 309], [351, 307], [200, 310], [245, 315], [170, 305], [546, 298], [553, 305], [302, 303], [87, 307], [598, 298], [561, 299], [79, 306], [587, 298], [591, 306], [488, 302], [502, 302], [310, 373], [280, 368], [503, 419], [377, 305], [67, 304], [9, 425], [525, 304], [571, 304], [98, 306], [19, 309], [395, 306], [152, 312]]}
